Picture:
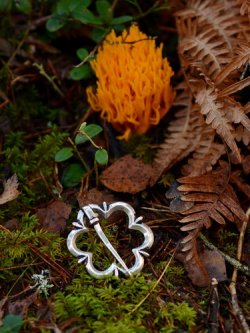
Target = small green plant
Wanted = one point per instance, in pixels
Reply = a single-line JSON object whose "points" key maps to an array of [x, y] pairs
{"points": [[83, 70], [102, 19], [68, 13], [73, 173], [87, 132]]}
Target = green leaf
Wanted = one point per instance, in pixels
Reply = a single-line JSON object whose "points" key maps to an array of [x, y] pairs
{"points": [[121, 19], [98, 34], [86, 17], [72, 175], [79, 5], [101, 156], [11, 324], [69, 6], [104, 10], [80, 73], [63, 154], [82, 53], [5, 5], [80, 139], [91, 130], [63, 7], [55, 23], [24, 6]]}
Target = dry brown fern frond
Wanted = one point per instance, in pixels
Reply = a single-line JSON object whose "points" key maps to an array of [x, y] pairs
{"points": [[241, 133], [212, 107], [214, 200], [192, 260], [240, 59], [235, 87], [213, 68], [183, 133], [237, 179], [213, 16], [245, 7], [235, 113], [204, 47], [205, 156]]}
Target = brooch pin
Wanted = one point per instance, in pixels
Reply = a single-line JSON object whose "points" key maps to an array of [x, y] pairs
{"points": [[90, 214]]}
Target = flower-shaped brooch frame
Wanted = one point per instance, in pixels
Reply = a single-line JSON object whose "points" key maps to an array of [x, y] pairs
{"points": [[90, 215]]}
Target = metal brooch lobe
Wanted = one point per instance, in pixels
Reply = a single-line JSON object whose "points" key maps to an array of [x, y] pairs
{"points": [[118, 267]]}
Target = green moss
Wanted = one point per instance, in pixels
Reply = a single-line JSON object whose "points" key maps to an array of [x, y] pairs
{"points": [[108, 305], [33, 167], [104, 304], [28, 109], [176, 315], [15, 246]]}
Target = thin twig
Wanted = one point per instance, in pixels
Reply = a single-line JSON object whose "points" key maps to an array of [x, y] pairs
{"points": [[232, 286], [234, 262], [214, 305], [50, 79]]}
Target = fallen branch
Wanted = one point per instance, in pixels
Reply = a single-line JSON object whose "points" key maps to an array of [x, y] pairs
{"points": [[234, 262], [232, 287]]}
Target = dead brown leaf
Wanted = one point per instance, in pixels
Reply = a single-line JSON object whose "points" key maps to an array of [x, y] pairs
{"points": [[128, 174], [94, 196], [195, 269], [10, 190], [215, 264], [53, 218], [20, 306], [204, 266]]}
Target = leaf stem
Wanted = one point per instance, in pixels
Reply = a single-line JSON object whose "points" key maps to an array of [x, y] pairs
{"points": [[90, 139], [78, 154], [50, 79]]}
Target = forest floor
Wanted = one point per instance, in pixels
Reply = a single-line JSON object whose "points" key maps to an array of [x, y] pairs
{"points": [[187, 175]]}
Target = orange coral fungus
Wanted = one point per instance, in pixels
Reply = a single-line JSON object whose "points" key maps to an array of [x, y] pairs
{"points": [[133, 87]]}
